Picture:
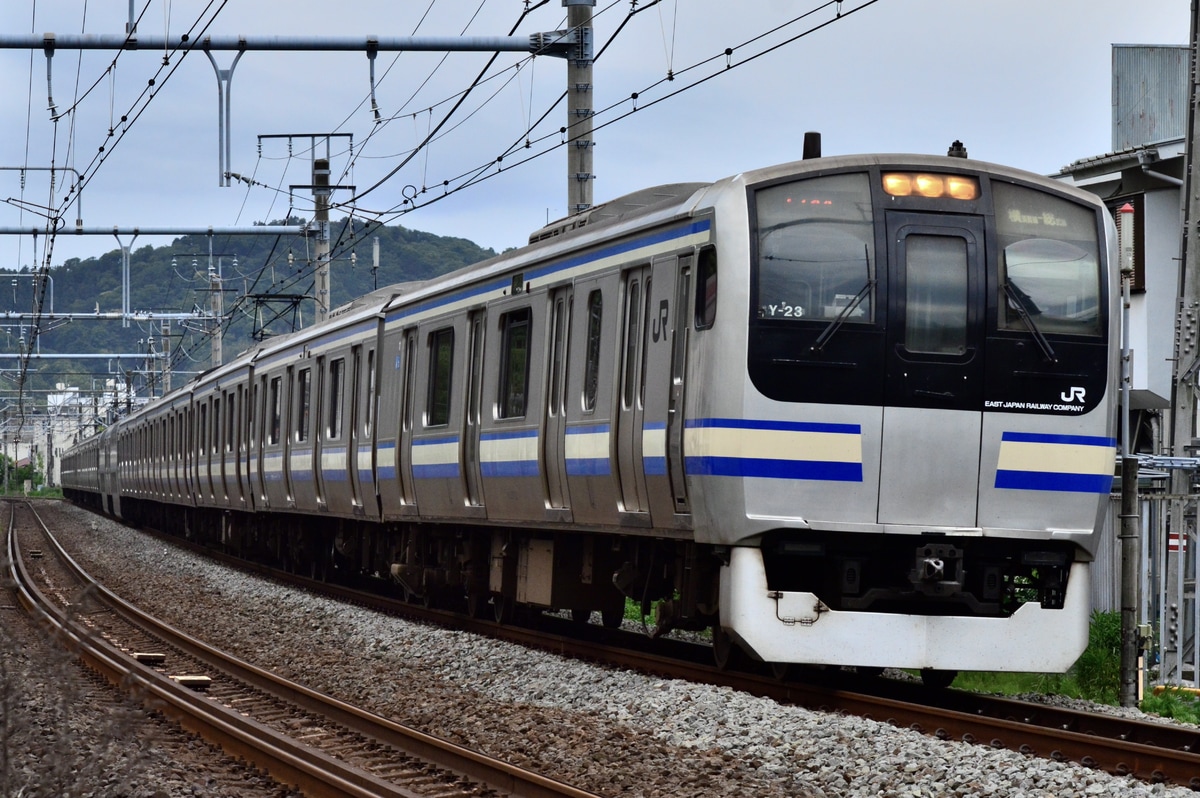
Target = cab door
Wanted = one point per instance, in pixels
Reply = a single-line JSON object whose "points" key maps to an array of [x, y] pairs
{"points": [[933, 393]]}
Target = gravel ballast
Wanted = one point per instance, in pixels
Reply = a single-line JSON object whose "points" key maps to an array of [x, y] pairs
{"points": [[609, 731]]}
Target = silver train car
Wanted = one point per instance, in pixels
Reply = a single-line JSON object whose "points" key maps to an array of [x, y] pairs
{"points": [[850, 410]]}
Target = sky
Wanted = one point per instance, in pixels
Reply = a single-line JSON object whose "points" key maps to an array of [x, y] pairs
{"points": [[1026, 83]]}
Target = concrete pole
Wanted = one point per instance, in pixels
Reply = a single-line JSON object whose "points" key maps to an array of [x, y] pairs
{"points": [[579, 108], [1130, 560], [321, 218], [216, 304], [166, 356]]}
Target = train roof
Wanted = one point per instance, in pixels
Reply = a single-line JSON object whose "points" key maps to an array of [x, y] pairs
{"points": [[631, 204]]}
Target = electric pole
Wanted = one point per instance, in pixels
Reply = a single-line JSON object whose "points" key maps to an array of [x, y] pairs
{"points": [[321, 219], [579, 107]]}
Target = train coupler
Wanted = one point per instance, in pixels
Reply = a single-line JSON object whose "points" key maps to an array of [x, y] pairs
{"points": [[937, 570]]}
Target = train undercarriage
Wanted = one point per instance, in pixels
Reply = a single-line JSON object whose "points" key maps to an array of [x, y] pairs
{"points": [[479, 570]]}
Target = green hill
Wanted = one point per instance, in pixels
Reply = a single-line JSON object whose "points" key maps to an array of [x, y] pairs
{"points": [[174, 279]]}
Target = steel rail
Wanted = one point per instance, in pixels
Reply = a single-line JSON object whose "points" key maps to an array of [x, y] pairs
{"points": [[312, 771], [1154, 752]]}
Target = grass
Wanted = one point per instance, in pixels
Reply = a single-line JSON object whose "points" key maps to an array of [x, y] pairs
{"points": [[1174, 704], [1095, 676]]}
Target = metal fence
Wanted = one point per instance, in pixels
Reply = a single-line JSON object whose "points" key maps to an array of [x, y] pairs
{"points": [[1167, 573]]}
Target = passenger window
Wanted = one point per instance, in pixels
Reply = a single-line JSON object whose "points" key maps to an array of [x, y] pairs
{"points": [[441, 363], [514, 365], [591, 366], [816, 242], [1049, 262]]}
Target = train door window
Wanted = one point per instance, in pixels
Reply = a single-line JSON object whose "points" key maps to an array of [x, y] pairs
{"points": [[558, 360], [633, 325], [276, 400], [645, 341], [369, 419], [202, 436], [333, 422], [935, 294], [230, 421], [591, 365], [252, 417], [406, 413], [1049, 263], [706, 289], [304, 403], [246, 395], [213, 431], [514, 364], [441, 369]]}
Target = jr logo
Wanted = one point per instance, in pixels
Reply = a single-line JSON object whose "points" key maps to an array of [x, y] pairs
{"points": [[1076, 394]]}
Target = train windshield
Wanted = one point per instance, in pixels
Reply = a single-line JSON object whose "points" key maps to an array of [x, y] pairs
{"points": [[816, 250], [1049, 263]]}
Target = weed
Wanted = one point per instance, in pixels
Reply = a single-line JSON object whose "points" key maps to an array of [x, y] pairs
{"points": [[1176, 704]]}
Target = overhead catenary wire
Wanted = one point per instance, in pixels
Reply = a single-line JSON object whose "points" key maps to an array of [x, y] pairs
{"points": [[534, 145], [492, 168]]}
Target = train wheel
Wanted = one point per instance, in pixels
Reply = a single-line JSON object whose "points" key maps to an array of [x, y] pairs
{"points": [[726, 654], [581, 616], [502, 609], [612, 618], [477, 604], [781, 671], [937, 679]]}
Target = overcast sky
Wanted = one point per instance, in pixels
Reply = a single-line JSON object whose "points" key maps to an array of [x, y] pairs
{"points": [[1021, 82]]}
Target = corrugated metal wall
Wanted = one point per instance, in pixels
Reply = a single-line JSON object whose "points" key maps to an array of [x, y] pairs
{"points": [[1149, 94]]}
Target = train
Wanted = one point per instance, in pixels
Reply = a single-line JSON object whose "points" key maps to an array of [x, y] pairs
{"points": [[852, 410]]}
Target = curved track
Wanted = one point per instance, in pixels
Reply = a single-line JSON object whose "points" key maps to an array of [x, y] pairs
{"points": [[303, 738], [1153, 752]]}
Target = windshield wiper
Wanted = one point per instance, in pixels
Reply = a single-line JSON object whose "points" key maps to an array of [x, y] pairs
{"points": [[1017, 300], [840, 318]]}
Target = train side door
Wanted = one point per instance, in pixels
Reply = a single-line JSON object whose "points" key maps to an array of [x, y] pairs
{"points": [[657, 389], [286, 436], [554, 438], [474, 381], [676, 401], [354, 433], [630, 415], [407, 412], [934, 370]]}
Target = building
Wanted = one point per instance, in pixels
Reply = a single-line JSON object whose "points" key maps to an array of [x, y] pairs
{"points": [[1144, 173]]}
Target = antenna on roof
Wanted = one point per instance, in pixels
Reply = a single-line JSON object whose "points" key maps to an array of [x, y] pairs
{"points": [[812, 145], [957, 150]]}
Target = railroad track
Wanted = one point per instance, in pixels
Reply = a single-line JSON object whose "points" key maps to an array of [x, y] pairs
{"points": [[318, 744], [1152, 752]]}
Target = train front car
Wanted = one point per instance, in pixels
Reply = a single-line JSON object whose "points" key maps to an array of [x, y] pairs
{"points": [[916, 470]]}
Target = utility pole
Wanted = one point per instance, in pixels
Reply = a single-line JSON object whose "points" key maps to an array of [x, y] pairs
{"points": [[216, 309], [579, 106], [166, 356], [321, 219], [1187, 357], [1130, 517], [1173, 616]]}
